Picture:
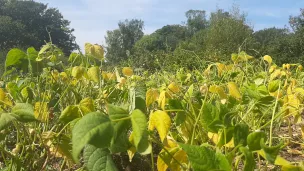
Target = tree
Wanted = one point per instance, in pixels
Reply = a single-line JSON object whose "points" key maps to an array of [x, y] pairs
{"points": [[268, 38], [227, 33], [196, 21], [29, 23], [121, 41]]}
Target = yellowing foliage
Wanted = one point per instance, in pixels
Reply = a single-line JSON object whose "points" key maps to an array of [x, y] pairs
{"points": [[127, 71], [234, 90], [161, 121]]}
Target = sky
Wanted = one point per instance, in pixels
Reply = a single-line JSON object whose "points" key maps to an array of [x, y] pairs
{"points": [[92, 18]]}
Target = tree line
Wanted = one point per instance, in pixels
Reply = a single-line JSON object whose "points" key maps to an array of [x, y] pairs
{"points": [[199, 39]]}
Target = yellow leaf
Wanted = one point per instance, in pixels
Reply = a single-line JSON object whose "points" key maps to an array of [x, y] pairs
{"points": [[93, 74], [95, 50], [86, 105], [214, 137], [162, 100], [275, 74], [111, 76], [98, 52], [127, 71], [151, 96], [300, 68], [272, 68], [88, 48], [63, 76], [268, 59], [2, 95], [234, 90], [173, 87], [220, 68], [219, 90], [78, 72], [279, 160], [180, 156], [164, 159], [207, 71], [131, 152], [299, 92], [169, 142], [161, 121], [41, 111], [213, 88]]}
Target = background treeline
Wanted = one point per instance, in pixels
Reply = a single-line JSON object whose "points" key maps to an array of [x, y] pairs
{"points": [[201, 38]]}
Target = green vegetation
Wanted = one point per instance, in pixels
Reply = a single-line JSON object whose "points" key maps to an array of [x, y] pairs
{"points": [[186, 97]]}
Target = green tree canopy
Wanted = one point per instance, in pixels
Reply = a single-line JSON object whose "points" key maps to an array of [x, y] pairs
{"points": [[121, 41], [28, 23]]}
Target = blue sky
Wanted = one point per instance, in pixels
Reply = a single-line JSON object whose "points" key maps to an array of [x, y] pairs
{"points": [[92, 18]]}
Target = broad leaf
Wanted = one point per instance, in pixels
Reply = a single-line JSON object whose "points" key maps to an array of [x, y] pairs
{"points": [[161, 121], [5, 120], [94, 74], [201, 158], [14, 57], [253, 140], [234, 90], [240, 134], [223, 162], [41, 111], [271, 152], [209, 114], [23, 112], [249, 160], [86, 105], [120, 140], [151, 96], [98, 159], [69, 113], [273, 86], [95, 129], [140, 132]]}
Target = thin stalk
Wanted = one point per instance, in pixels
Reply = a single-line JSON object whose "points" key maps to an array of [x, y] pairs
{"points": [[198, 117], [273, 113]]}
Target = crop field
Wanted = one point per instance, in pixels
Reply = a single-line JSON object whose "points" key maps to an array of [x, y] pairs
{"points": [[245, 114]]}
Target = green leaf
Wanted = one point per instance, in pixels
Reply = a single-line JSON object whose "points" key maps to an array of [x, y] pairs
{"points": [[98, 159], [32, 53], [23, 112], [253, 140], [208, 115], [201, 158], [215, 126], [223, 162], [181, 115], [292, 168], [140, 132], [69, 113], [189, 93], [45, 48], [240, 134], [5, 120], [271, 153], [14, 57], [120, 142], [86, 106], [225, 136], [95, 129], [273, 86], [249, 160]]}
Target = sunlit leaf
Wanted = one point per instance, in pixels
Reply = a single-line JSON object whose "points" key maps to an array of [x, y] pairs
{"points": [[234, 90], [161, 121]]}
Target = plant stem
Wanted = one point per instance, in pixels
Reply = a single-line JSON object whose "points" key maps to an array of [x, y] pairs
{"points": [[273, 113]]}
